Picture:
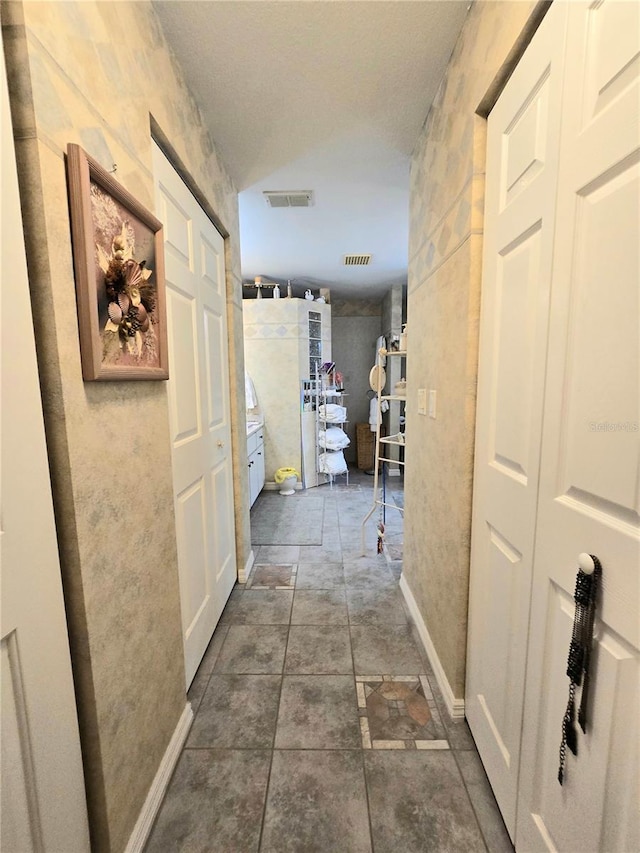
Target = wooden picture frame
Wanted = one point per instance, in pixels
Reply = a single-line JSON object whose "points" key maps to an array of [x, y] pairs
{"points": [[118, 255]]}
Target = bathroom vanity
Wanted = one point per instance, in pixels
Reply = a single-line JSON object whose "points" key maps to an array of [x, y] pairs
{"points": [[255, 459]]}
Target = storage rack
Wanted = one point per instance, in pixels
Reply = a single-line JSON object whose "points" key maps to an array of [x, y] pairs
{"points": [[324, 396], [382, 442]]}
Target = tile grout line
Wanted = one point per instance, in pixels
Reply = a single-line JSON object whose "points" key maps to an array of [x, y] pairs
{"points": [[275, 728], [470, 798], [362, 749]]}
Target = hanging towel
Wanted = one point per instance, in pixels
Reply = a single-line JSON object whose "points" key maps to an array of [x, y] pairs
{"points": [[373, 411], [250, 392]]}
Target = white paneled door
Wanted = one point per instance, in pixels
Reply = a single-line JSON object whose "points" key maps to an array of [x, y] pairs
{"points": [[43, 805], [522, 159], [558, 450], [199, 410], [590, 464]]}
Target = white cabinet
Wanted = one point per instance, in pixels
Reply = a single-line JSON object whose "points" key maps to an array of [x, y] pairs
{"points": [[255, 463]]}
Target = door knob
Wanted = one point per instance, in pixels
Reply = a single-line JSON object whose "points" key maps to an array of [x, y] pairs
{"points": [[586, 563], [220, 443]]}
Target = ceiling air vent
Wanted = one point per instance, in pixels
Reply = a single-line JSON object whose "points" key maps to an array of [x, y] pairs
{"points": [[289, 198], [357, 260]]}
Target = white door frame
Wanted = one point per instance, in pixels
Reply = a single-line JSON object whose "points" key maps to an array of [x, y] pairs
{"points": [[199, 407]]}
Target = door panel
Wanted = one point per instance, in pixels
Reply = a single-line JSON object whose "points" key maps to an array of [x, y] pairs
{"points": [[602, 335], [198, 391], [214, 324], [223, 522], [518, 271], [184, 406], [589, 469], [522, 144], [192, 537]]}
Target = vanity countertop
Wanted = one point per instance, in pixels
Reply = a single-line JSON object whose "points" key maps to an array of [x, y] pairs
{"points": [[253, 426]]}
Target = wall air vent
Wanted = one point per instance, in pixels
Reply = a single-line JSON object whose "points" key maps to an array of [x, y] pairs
{"points": [[289, 198], [357, 260]]}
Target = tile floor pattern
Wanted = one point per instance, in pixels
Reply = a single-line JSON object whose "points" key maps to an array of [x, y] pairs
{"points": [[319, 727]]}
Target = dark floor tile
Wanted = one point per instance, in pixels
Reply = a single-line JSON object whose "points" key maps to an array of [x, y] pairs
{"points": [[197, 688], [385, 650], [213, 649], [259, 607], [484, 803], [317, 804], [215, 802], [273, 576], [320, 576], [257, 649], [318, 712], [368, 573], [374, 606], [319, 650], [418, 803], [321, 553], [355, 551], [237, 711], [237, 592], [319, 607], [278, 554], [458, 733]]}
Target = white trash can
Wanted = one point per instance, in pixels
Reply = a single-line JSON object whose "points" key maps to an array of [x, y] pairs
{"points": [[287, 478]]}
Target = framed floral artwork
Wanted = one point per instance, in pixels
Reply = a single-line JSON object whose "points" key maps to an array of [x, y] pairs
{"points": [[119, 270]]}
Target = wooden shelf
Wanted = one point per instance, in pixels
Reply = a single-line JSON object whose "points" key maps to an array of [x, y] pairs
{"points": [[391, 440]]}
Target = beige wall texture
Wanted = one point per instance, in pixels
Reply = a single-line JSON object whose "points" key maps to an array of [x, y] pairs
{"points": [[445, 258], [355, 325], [92, 73]]}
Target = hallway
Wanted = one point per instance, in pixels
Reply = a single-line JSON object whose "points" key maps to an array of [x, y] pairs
{"points": [[302, 676]]}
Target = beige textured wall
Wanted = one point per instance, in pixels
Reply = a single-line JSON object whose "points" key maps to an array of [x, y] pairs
{"points": [[91, 73], [354, 331], [445, 257]]}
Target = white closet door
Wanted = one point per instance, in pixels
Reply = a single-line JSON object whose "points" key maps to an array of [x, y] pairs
{"points": [[199, 409], [42, 802], [590, 464], [522, 148]]}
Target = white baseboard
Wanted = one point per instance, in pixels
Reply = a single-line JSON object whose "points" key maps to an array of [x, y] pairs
{"points": [[455, 706], [141, 830], [243, 573], [393, 472], [270, 486]]}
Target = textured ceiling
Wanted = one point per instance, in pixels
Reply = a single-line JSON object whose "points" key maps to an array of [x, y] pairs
{"points": [[324, 96]]}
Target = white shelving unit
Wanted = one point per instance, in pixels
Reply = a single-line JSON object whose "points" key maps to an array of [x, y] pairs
{"points": [[326, 396], [382, 443]]}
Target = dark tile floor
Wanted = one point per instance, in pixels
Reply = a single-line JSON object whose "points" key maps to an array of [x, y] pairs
{"points": [[319, 726]]}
